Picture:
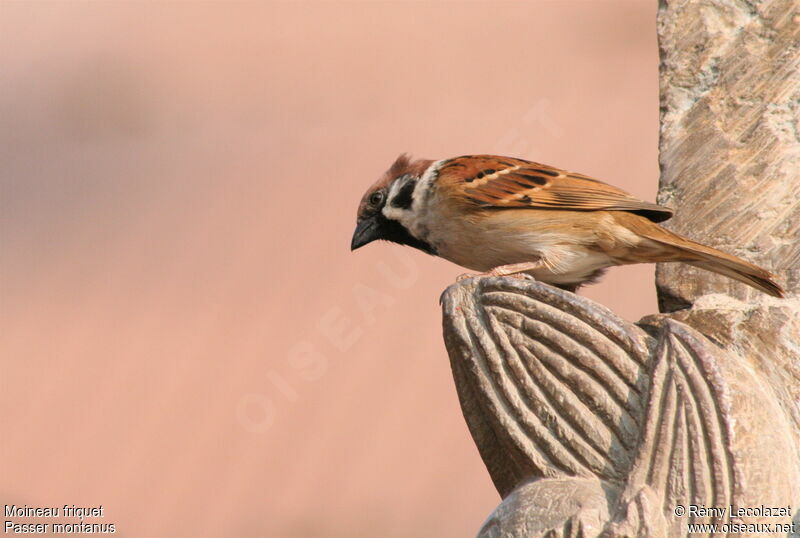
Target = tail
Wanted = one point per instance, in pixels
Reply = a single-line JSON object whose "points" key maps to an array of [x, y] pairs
{"points": [[711, 259], [742, 271]]}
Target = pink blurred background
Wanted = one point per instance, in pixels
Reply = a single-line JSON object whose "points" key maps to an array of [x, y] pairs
{"points": [[187, 339]]}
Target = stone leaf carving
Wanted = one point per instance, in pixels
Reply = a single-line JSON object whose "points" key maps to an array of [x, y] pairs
{"points": [[561, 395]]}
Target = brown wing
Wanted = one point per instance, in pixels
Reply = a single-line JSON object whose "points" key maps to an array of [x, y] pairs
{"points": [[489, 181]]}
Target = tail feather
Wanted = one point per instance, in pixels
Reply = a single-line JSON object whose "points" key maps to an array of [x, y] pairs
{"points": [[761, 281], [714, 260]]}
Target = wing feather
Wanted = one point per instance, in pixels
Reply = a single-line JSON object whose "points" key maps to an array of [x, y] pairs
{"points": [[491, 182]]}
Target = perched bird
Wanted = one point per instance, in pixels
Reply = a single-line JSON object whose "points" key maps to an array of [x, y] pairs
{"points": [[502, 216]]}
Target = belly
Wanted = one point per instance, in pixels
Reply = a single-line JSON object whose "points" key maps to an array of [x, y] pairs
{"points": [[564, 256]]}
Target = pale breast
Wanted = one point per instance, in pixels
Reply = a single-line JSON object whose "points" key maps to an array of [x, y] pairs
{"points": [[567, 247]]}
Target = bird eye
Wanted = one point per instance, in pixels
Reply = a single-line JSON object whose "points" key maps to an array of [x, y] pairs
{"points": [[376, 198]]}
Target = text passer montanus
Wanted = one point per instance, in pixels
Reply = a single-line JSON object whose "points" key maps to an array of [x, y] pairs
{"points": [[503, 216]]}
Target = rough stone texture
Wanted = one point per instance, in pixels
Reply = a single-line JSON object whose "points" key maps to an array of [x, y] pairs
{"points": [[592, 426], [570, 506], [730, 160], [730, 138]]}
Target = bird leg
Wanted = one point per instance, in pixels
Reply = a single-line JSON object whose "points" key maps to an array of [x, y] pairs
{"points": [[512, 269]]}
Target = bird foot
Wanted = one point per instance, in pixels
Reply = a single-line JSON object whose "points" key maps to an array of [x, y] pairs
{"points": [[514, 270]]}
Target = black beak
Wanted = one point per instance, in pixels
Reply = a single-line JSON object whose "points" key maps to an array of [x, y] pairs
{"points": [[367, 231]]}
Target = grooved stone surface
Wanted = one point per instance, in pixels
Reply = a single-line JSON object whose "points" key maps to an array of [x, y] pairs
{"points": [[592, 426], [730, 159]]}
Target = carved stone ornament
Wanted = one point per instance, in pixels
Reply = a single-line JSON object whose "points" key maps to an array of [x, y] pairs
{"points": [[593, 426], [589, 424]]}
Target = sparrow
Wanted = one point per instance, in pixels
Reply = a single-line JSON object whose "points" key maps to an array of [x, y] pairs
{"points": [[504, 216]]}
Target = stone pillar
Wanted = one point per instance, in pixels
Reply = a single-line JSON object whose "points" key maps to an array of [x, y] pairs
{"points": [[593, 426], [730, 162]]}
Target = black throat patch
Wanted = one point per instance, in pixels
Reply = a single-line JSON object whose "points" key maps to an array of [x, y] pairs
{"points": [[393, 231]]}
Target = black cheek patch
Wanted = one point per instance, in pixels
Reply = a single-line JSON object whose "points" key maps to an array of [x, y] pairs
{"points": [[405, 197]]}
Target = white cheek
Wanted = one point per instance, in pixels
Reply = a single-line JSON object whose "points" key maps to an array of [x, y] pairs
{"points": [[421, 193], [412, 220], [393, 213], [389, 211]]}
